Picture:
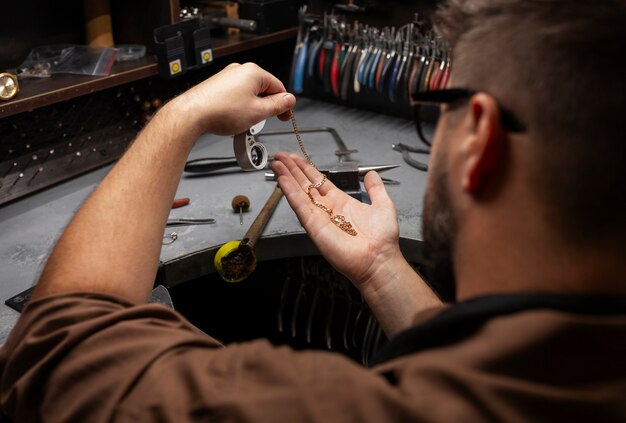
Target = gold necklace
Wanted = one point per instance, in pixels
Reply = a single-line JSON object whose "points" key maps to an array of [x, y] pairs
{"points": [[337, 219]]}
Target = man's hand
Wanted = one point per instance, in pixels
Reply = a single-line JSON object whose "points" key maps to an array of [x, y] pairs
{"points": [[357, 257], [372, 260], [233, 100]]}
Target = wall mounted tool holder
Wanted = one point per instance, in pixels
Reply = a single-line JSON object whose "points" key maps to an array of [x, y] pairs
{"points": [[182, 46]]}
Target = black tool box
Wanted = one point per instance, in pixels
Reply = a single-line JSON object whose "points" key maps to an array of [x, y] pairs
{"points": [[270, 15]]}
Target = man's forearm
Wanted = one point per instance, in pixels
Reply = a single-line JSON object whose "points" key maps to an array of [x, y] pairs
{"points": [[113, 243]]}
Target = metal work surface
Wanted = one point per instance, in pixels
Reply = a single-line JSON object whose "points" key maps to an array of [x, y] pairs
{"points": [[30, 227]]}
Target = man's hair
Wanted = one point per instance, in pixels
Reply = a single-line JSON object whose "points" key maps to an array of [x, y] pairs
{"points": [[560, 67]]}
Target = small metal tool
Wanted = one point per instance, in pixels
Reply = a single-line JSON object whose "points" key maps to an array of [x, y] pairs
{"points": [[343, 152], [335, 172], [345, 176], [184, 222], [240, 204], [170, 238], [406, 149]]}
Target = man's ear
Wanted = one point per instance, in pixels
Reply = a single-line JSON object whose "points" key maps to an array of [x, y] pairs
{"points": [[484, 148]]}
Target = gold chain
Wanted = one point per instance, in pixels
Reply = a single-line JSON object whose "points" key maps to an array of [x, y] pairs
{"points": [[337, 219]]}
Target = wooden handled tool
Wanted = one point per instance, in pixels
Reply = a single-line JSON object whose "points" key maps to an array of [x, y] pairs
{"points": [[235, 260]]}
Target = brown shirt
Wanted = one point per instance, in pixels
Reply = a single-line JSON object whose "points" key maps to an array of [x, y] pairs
{"points": [[96, 358]]}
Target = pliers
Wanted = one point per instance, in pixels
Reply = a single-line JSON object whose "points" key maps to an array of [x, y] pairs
{"points": [[406, 149]]}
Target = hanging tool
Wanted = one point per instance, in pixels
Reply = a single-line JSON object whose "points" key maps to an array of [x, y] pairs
{"points": [[329, 50], [313, 58], [416, 71], [334, 69], [394, 73], [300, 65], [384, 56], [240, 204], [385, 75], [235, 260], [347, 70], [296, 82]]}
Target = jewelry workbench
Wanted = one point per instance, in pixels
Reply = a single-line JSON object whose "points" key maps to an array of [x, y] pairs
{"points": [[30, 226]]}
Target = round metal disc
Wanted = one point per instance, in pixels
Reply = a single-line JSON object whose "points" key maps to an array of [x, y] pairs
{"points": [[8, 86]]}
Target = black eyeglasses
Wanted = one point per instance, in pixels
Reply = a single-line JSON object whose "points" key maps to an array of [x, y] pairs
{"points": [[451, 96]]}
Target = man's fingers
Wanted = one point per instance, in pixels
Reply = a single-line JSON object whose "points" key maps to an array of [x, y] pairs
{"points": [[269, 83], [312, 174], [295, 170], [285, 166], [287, 182], [297, 199], [276, 104], [376, 189]]}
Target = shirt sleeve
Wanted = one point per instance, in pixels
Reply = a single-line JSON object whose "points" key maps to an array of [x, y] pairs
{"points": [[90, 357]]}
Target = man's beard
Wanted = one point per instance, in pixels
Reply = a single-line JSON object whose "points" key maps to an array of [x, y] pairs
{"points": [[439, 228]]}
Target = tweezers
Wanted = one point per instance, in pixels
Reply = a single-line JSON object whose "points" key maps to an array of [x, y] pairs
{"points": [[182, 222]]}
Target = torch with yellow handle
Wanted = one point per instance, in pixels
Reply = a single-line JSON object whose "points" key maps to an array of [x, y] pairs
{"points": [[235, 260]]}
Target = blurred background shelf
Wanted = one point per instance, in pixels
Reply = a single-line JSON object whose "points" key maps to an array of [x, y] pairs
{"points": [[39, 92]]}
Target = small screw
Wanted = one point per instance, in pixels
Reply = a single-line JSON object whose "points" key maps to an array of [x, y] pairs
{"points": [[240, 203]]}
